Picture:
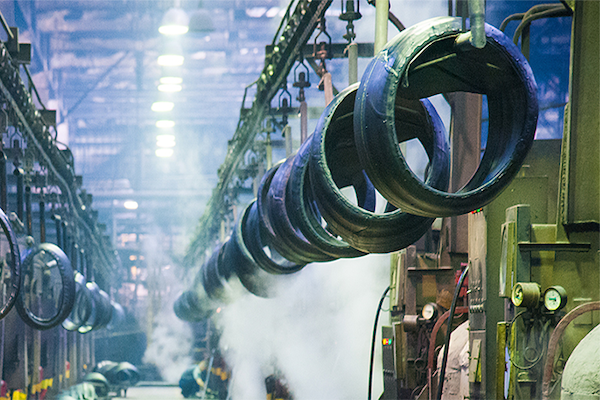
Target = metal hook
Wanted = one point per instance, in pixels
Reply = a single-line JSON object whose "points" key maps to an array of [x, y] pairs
{"points": [[322, 53], [301, 80], [281, 99]]}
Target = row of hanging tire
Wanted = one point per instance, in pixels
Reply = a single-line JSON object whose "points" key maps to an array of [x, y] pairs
{"points": [[78, 305], [356, 144], [46, 291]]}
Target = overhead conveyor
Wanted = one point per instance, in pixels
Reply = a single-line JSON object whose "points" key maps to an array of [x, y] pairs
{"points": [[356, 144]]}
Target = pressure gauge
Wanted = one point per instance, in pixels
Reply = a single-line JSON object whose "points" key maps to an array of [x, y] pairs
{"points": [[526, 294], [429, 311], [555, 298]]}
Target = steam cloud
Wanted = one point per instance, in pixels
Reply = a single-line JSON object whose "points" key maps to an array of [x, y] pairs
{"points": [[170, 345], [316, 332]]}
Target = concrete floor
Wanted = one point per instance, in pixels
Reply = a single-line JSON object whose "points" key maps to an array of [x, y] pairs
{"points": [[153, 393]]}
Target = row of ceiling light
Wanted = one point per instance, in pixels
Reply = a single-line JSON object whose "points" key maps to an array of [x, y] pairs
{"points": [[175, 23]]}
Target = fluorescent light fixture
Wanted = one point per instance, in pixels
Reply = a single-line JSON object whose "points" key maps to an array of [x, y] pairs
{"points": [[171, 80], [170, 60], [169, 138], [130, 204], [199, 55], [169, 88], [272, 12], [175, 22], [163, 152], [165, 123], [165, 141], [256, 12], [162, 106], [165, 144]]}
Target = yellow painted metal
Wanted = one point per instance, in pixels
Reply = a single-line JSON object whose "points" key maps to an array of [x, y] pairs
{"points": [[500, 358], [507, 259], [474, 364]]}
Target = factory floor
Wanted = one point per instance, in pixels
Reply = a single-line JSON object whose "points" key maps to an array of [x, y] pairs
{"points": [[153, 392]]}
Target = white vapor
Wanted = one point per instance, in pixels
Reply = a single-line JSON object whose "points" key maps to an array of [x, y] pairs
{"points": [[170, 344], [316, 332]]}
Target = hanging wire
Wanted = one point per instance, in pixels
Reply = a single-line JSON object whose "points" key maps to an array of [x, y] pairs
{"points": [[371, 362]]}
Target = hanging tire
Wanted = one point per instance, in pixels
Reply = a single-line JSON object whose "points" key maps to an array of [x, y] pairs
{"points": [[46, 267], [425, 60], [304, 213], [237, 256], [83, 306], [272, 263], [266, 227], [14, 266], [280, 221], [334, 150]]}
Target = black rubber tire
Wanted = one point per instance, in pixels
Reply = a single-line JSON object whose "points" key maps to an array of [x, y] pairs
{"points": [[106, 311], [425, 60], [215, 275], [266, 227], [82, 310], [274, 264], [236, 254], [280, 221], [333, 149], [94, 318], [14, 266], [67, 298], [189, 307], [303, 211]]}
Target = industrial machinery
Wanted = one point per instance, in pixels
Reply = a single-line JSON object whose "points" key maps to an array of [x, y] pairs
{"points": [[516, 254], [53, 249], [493, 233]]}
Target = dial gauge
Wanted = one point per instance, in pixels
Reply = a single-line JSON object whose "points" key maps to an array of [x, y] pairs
{"points": [[555, 298], [517, 295], [526, 294], [429, 311]]}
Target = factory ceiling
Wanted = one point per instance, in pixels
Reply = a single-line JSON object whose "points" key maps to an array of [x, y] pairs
{"points": [[96, 63]]}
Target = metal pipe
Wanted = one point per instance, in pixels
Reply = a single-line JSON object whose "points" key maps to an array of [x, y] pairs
{"points": [[289, 145], [3, 191], [210, 363], [352, 63], [477, 18], [19, 174], [65, 236], [327, 88], [381, 24], [28, 217], [58, 225], [42, 220], [269, 151], [303, 121], [555, 338], [6, 27]]}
